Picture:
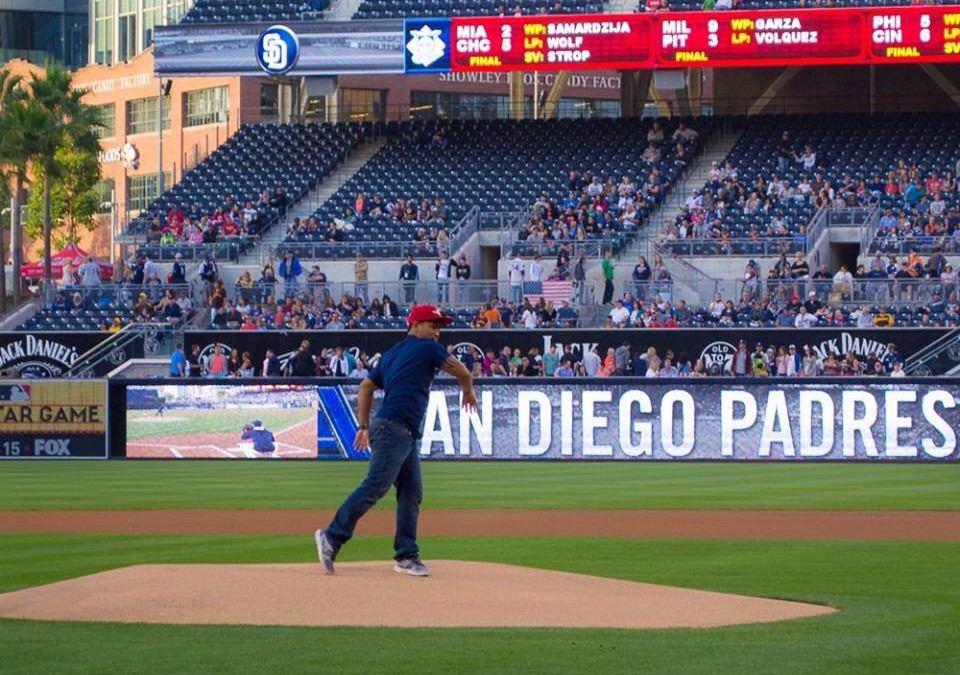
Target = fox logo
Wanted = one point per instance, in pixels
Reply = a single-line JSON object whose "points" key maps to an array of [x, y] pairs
{"points": [[52, 447]]}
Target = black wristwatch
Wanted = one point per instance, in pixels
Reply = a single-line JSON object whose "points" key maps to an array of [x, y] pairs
{"points": [[362, 427]]}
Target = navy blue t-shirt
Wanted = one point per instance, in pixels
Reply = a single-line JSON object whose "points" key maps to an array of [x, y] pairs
{"points": [[405, 373]]}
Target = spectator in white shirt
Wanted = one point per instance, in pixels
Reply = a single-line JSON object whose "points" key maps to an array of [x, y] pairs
{"points": [[517, 272], [805, 319], [536, 269], [619, 315], [591, 362]]}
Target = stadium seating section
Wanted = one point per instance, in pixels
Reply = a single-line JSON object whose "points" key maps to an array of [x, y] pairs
{"points": [[496, 165], [694, 5], [851, 150], [217, 11], [257, 157], [395, 9]]}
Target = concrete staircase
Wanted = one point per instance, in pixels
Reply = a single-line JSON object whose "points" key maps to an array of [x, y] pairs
{"points": [[689, 281], [620, 6], [314, 198], [342, 10]]}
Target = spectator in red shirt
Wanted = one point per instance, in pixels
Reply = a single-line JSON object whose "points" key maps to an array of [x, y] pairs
{"points": [[175, 219]]}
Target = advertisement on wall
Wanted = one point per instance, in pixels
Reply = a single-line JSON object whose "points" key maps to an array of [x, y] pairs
{"points": [[615, 419], [927, 351], [53, 420], [36, 355]]}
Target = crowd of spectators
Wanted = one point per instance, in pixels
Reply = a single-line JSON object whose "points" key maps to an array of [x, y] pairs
{"points": [[230, 219], [598, 206], [785, 360], [628, 361], [922, 204]]}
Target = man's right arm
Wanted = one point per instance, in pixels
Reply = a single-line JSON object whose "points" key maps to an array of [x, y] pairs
{"points": [[453, 366], [364, 403]]}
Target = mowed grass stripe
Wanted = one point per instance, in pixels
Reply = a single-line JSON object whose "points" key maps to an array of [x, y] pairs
{"points": [[234, 484], [900, 608]]}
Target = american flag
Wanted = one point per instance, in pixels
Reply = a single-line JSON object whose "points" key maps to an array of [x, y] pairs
{"points": [[550, 291]]}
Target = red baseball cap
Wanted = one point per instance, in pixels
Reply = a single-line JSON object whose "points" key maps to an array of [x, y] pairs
{"points": [[426, 313]]}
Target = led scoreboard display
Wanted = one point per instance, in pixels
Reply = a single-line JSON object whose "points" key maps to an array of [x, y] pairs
{"points": [[551, 42], [758, 38], [914, 34], [854, 35]]}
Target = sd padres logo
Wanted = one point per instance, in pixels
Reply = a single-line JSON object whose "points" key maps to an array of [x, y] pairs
{"points": [[278, 50]]}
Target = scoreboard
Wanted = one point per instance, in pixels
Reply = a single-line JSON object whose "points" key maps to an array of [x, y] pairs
{"points": [[757, 38], [551, 42], [746, 38], [914, 34]]}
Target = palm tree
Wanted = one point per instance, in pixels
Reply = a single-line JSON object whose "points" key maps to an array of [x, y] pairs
{"points": [[21, 131], [66, 115], [10, 92]]}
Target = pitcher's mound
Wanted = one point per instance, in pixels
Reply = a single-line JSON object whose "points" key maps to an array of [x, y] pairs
{"points": [[371, 594]]}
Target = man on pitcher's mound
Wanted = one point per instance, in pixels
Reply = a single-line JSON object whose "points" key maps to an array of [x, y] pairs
{"points": [[405, 373]]}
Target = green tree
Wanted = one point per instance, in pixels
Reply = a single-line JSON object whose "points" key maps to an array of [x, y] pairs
{"points": [[73, 195], [67, 116], [10, 162]]}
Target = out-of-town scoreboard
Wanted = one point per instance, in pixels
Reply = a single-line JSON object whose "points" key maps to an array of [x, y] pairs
{"points": [[715, 39]]}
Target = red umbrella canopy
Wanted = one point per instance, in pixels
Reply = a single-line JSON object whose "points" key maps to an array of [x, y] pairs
{"points": [[71, 254]]}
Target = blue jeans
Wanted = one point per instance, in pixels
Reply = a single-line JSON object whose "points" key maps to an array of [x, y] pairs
{"points": [[394, 460]]}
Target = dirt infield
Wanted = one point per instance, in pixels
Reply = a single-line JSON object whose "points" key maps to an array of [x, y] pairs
{"points": [[458, 594], [728, 524]]}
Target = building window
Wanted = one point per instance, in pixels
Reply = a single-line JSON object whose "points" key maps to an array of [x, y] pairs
{"points": [[151, 17], [362, 105], [104, 189], [142, 115], [205, 106], [103, 31], [142, 190], [108, 121], [269, 102], [127, 30], [429, 104]]}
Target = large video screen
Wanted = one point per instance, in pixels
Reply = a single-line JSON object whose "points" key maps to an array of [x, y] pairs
{"points": [[538, 419], [240, 421]]}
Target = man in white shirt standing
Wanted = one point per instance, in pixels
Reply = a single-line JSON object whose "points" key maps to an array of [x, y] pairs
{"points": [[591, 362], [536, 269], [517, 273], [444, 267]]}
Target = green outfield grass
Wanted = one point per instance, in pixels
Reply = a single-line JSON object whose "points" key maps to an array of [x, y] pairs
{"points": [[275, 484], [900, 610], [147, 424]]}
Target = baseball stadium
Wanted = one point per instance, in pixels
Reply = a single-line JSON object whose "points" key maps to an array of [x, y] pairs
{"points": [[455, 336]]}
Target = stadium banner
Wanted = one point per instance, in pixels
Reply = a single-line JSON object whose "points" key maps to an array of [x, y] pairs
{"points": [[925, 351], [317, 48], [732, 38], [544, 419], [43, 355], [53, 419]]}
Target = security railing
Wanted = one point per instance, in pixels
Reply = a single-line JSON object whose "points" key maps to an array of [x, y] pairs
{"points": [[762, 247]]}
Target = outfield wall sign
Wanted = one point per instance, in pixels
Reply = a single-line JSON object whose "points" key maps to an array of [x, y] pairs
{"points": [[46, 419], [693, 421], [567, 420], [925, 351]]}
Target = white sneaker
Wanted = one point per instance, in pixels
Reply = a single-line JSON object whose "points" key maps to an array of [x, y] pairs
{"points": [[412, 566]]}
